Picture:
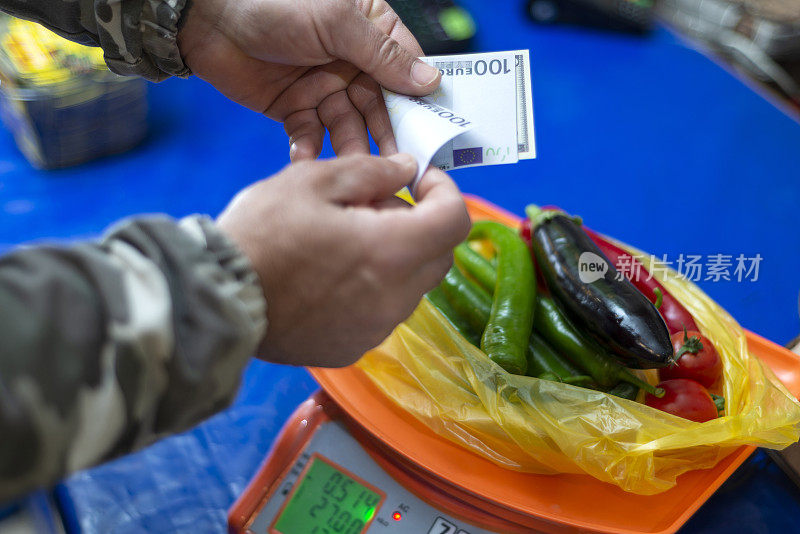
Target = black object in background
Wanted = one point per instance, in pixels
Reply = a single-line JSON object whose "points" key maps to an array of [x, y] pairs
{"points": [[440, 26], [635, 16]]}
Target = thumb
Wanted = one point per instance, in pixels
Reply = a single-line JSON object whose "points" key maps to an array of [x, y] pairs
{"points": [[383, 58]]}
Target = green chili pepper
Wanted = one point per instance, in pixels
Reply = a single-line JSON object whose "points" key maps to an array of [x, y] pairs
{"points": [[475, 265], [624, 390], [545, 363], [505, 339], [472, 306], [439, 300], [467, 299], [556, 328]]}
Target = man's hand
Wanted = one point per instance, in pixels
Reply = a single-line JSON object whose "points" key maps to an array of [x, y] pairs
{"points": [[310, 64], [340, 263]]}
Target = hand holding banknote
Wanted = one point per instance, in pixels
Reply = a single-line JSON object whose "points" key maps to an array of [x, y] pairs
{"points": [[309, 64]]}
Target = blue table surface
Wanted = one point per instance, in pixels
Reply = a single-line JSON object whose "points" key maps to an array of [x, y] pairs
{"points": [[647, 139]]}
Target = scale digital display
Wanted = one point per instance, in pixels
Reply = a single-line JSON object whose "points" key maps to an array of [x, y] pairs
{"points": [[326, 499]]}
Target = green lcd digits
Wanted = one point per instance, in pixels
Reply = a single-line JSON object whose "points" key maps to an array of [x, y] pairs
{"points": [[328, 501]]}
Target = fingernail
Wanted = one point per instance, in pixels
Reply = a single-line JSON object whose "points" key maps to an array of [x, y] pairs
{"points": [[406, 160], [423, 74], [292, 151]]}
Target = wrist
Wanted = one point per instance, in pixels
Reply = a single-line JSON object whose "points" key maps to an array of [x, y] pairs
{"points": [[196, 32], [243, 280]]}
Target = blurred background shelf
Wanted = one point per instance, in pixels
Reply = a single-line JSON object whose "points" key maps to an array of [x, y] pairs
{"points": [[60, 101]]}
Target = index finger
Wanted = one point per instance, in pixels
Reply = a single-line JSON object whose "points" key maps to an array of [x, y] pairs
{"points": [[439, 221]]}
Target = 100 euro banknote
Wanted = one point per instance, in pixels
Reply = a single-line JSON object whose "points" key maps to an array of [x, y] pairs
{"points": [[482, 113]]}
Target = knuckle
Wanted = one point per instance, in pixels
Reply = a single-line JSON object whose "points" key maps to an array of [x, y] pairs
{"points": [[371, 106], [330, 113], [369, 168], [389, 53], [350, 145], [357, 165], [313, 173], [367, 7], [364, 96], [327, 181]]}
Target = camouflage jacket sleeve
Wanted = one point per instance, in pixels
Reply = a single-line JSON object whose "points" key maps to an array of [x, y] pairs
{"points": [[139, 37], [106, 346]]}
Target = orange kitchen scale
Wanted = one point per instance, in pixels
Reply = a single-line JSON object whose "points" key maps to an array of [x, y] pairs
{"points": [[349, 461]]}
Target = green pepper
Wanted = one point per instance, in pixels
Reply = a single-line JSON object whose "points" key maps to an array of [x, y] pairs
{"points": [[475, 265], [545, 363], [439, 300], [467, 299], [505, 339], [556, 328], [472, 306]]}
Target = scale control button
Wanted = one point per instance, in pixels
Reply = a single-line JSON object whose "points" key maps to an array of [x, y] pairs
{"points": [[442, 526]]}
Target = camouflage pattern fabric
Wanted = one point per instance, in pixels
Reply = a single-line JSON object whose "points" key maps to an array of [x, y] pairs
{"points": [[104, 347], [138, 37]]}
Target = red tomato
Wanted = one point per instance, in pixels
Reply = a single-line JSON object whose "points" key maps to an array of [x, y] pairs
{"points": [[684, 398], [698, 359]]}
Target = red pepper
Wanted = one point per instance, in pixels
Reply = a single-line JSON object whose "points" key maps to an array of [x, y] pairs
{"points": [[675, 315], [525, 231]]}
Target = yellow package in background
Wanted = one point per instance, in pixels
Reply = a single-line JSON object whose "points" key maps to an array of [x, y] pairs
{"points": [[538, 426]]}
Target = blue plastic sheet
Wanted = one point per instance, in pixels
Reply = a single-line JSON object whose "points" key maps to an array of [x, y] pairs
{"points": [[187, 483]]}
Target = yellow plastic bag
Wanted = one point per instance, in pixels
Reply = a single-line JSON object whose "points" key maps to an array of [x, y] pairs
{"points": [[538, 426]]}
